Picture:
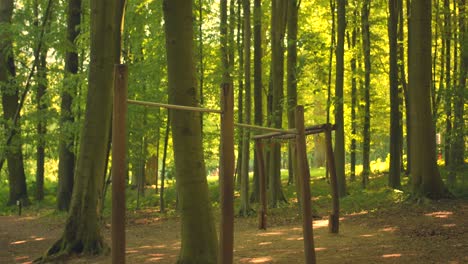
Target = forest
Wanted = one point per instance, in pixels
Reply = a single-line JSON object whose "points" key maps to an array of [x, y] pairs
{"points": [[233, 131]]}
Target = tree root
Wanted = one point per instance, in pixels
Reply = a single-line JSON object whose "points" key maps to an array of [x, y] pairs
{"points": [[62, 250]]}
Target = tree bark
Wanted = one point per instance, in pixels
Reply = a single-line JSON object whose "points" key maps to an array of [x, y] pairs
{"points": [[278, 24], [404, 86], [367, 71], [41, 107], [425, 174], [291, 84], [240, 91], [10, 104], [41, 126], [353, 95], [258, 95], [330, 66], [198, 233], [82, 233], [395, 129], [458, 147], [448, 83], [226, 161], [339, 83], [66, 144], [245, 209]]}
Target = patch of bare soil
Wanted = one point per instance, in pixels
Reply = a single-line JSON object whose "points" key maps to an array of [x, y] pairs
{"points": [[434, 233]]}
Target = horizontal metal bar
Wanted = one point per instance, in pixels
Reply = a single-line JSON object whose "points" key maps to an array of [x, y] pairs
{"points": [[276, 130], [177, 107]]}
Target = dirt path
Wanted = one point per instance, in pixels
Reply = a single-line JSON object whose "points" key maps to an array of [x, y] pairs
{"points": [[5, 255], [435, 233]]}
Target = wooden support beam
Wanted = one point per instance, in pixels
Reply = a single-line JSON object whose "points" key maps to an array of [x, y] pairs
{"points": [[118, 163], [334, 218], [262, 214], [304, 174], [226, 177], [176, 107]]}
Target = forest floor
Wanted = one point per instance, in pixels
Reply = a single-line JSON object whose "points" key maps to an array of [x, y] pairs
{"points": [[429, 232]]}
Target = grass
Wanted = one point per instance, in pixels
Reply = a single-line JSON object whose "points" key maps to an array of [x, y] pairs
{"points": [[376, 195]]}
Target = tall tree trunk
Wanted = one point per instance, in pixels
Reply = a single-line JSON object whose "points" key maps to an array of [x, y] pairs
{"points": [[244, 173], [226, 166], [458, 147], [258, 95], [41, 106], [41, 127], [201, 66], [339, 83], [82, 233], [424, 171], [448, 82], [395, 129], [291, 84], [141, 175], [434, 91], [367, 71], [278, 24], [240, 91], [162, 202], [198, 233], [10, 104], [66, 144], [330, 66], [402, 78], [352, 46]]}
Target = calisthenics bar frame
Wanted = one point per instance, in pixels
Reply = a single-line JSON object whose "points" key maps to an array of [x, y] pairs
{"points": [[226, 243]]}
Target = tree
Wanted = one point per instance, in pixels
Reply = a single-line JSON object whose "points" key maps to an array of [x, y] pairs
{"points": [[41, 106], [367, 71], [258, 95], [240, 90], [291, 84], [330, 70], [354, 97], [66, 145], [339, 82], [403, 83], [226, 161], [199, 243], [10, 104], [395, 129], [448, 82], [425, 174], [244, 173], [82, 233], [458, 147], [278, 26]]}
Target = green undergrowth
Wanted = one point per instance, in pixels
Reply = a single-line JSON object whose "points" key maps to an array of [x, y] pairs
{"points": [[375, 197]]}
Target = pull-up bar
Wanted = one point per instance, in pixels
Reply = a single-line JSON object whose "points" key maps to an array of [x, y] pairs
{"points": [[177, 107], [207, 110]]}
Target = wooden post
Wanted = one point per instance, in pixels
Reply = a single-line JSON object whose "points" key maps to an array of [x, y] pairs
{"points": [[226, 177], [262, 214], [304, 174], [118, 163], [334, 218]]}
